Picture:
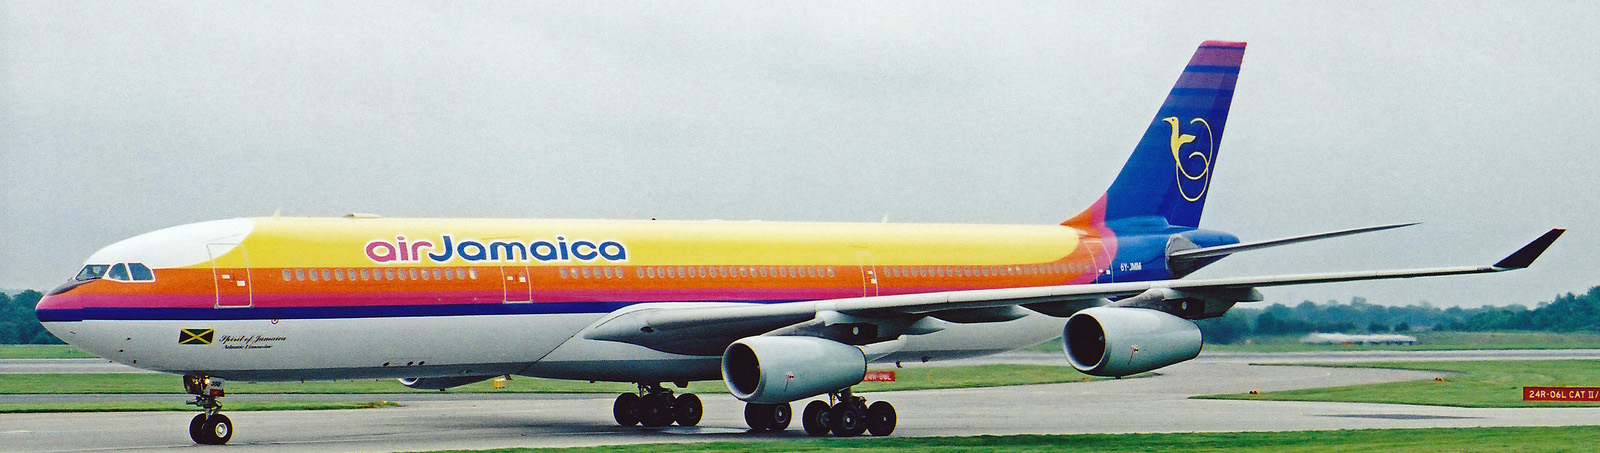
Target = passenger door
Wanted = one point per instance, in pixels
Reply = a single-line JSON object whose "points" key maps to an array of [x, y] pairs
{"points": [[232, 277]]}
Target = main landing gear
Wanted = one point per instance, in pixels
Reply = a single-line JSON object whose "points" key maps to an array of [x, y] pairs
{"points": [[210, 427], [655, 406], [848, 416]]}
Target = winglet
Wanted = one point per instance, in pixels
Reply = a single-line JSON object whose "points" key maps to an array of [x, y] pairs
{"points": [[1524, 257]]}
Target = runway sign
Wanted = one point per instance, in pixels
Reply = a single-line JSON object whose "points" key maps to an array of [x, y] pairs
{"points": [[879, 376], [1561, 393]]}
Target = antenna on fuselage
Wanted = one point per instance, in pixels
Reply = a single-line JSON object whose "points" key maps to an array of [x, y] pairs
{"points": [[277, 212]]}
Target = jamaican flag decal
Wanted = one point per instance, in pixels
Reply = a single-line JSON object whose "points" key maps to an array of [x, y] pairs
{"points": [[196, 336]]}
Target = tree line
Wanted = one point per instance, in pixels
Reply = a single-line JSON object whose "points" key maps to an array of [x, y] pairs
{"points": [[1567, 313], [18, 325]]}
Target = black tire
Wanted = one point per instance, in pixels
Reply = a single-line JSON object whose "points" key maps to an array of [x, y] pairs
{"points": [[881, 418], [848, 420], [655, 410], [815, 419], [687, 410], [758, 416], [626, 409], [768, 417], [217, 429], [782, 414], [197, 429]]}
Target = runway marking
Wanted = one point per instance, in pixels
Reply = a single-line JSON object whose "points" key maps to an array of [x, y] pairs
{"points": [[1402, 416]]}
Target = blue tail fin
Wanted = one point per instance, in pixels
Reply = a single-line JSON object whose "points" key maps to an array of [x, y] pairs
{"points": [[1169, 174]]}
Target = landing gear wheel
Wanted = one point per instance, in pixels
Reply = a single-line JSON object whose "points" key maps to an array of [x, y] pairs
{"points": [[655, 409], [687, 410], [848, 420], [213, 430], [210, 427], [881, 418], [768, 417], [196, 425], [626, 409], [815, 419]]}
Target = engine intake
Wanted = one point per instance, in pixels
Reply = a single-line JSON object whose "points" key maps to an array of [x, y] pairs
{"points": [[1115, 341], [772, 370]]}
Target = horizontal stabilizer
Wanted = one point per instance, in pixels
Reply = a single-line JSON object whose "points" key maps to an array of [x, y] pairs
{"points": [[1243, 247], [1524, 256]]}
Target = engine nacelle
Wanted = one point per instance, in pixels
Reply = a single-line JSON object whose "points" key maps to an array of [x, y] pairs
{"points": [[773, 370], [1116, 341], [440, 383]]}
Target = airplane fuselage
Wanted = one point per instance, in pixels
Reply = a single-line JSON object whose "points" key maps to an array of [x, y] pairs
{"points": [[335, 298]]}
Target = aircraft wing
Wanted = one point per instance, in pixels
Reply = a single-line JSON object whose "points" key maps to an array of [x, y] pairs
{"points": [[706, 330]]}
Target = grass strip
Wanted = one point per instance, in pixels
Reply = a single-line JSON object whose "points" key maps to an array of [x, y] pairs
{"points": [[42, 351], [1540, 439], [139, 383], [174, 406], [1474, 384]]}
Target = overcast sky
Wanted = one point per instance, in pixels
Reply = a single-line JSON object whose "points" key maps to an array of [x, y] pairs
{"points": [[1478, 119]]}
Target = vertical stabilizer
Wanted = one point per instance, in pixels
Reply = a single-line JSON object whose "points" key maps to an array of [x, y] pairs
{"points": [[1169, 174]]}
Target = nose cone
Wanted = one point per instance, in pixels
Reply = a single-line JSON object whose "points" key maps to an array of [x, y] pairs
{"points": [[56, 312], [58, 308]]}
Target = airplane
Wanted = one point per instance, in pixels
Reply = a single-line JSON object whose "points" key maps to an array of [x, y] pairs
{"points": [[781, 312]]}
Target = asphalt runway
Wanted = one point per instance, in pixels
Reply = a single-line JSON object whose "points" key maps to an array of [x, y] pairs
{"points": [[430, 421]]}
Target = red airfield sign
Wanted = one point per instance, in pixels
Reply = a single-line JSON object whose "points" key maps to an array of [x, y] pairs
{"points": [[1561, 393]]}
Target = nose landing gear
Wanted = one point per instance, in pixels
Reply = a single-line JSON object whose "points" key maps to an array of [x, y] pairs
{"points": [[209, 427]]}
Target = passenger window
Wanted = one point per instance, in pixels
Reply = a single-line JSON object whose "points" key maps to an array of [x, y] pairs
{"points": [[473, 273], [327, 275], [338, 274], [300, 274], [388, 274], [830, 271], [313, 274], [365, 275], [287, 275], [119, 272]]}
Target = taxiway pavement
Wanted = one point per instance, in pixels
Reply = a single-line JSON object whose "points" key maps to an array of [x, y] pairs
{"points": [[1161, 403]]}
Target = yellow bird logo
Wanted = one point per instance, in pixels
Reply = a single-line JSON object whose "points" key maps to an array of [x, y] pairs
{"points": [[1204, 157]]}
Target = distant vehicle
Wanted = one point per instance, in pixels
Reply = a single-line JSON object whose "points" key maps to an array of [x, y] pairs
{"points": [[780, 312]]}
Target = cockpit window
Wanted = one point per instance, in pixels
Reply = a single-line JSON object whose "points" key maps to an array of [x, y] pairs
{"points": [[92, 272], [119, 272], [141, 273]]}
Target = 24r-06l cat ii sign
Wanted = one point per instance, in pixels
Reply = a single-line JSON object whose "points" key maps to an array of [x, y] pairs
{"points": [[781, 312]]}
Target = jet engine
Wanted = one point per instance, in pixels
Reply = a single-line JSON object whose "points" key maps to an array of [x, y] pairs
{"points": [[774, 370], [440, 383], [1117, 341]]}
